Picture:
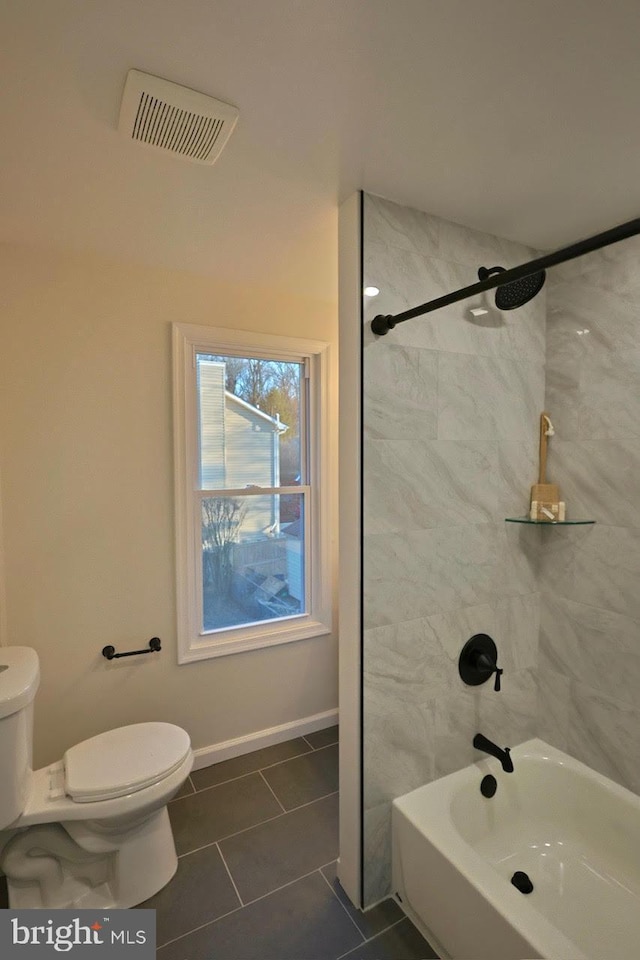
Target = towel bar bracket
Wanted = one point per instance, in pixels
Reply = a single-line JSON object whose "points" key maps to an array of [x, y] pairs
{"points": [[110, 652]]}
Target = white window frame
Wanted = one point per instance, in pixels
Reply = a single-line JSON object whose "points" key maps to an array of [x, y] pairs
{"points": [[193, 642]]}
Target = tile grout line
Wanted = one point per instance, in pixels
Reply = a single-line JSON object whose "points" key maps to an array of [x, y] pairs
{"points": [[381, 930], [277, 763], [283, 886], [344, 908], [230, 875], [249, 773], [369, 939], [229, 836], [272, 791], [249, 903], [325, 746], [201, 927], [334, 793]]}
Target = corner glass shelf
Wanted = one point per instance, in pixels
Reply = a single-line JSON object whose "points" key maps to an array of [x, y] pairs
{"points": [[548, 523]]}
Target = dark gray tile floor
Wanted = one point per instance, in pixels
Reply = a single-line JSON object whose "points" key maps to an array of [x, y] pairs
{"points": [[257, 842]]}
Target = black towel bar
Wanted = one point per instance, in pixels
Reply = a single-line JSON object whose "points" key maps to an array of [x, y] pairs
{"points": [[110, 652]]}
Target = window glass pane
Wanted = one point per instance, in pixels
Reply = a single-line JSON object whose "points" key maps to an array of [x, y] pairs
{"points": [[252, 559], [249, 422]]}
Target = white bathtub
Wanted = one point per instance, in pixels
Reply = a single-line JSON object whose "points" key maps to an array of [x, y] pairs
{"points": [[574, 832]]}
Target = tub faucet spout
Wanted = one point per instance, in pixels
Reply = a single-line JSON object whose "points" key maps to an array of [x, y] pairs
{"points": [[481, 742]]}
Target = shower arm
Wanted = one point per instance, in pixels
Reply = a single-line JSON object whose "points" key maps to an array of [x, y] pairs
{"points": [[381, 324]]}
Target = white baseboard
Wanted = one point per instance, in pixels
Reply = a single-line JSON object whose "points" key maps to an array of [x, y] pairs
{"points": [[205, 756]]}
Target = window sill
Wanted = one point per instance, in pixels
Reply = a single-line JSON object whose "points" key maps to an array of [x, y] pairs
{"points": [[207, 646]]}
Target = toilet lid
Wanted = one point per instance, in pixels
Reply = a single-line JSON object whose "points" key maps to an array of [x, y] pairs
{"points": [[124, 760]]}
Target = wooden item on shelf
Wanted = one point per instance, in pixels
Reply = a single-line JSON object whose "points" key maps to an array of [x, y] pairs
{"points": [[545, 497]]}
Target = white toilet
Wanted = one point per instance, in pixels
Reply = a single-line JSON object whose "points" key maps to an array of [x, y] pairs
{"points": [[93, 829]]}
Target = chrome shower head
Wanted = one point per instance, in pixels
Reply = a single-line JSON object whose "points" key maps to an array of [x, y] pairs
{"points": [[512, 295]]}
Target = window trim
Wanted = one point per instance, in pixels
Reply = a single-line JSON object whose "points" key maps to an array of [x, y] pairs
{"points": [[188, 339]]}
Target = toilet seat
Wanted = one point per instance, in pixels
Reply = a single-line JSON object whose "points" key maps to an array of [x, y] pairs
{"points": [[121, 762]]}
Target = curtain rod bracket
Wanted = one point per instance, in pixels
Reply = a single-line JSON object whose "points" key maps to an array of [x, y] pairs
{"points": [[382, 324]]}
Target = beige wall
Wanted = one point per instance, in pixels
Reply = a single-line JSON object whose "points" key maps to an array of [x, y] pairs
{"points": [[87, 496]]}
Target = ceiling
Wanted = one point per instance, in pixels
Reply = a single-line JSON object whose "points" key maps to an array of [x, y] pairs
{"points": [[519, 117]]}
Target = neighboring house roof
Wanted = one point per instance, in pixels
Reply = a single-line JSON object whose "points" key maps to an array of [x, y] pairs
{"points": [[277, 425], [294, 529]]}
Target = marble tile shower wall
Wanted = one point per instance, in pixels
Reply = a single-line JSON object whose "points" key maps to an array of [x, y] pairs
{"points": [[589, 650], [450, 423]]}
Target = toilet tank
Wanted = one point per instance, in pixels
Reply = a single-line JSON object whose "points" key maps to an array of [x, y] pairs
{"points": [[19, 680]]}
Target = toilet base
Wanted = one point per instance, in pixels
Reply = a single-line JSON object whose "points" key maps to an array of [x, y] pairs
{"points": [[84, 864]]}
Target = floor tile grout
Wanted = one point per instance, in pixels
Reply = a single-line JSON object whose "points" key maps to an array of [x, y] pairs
{"points": [[369, 939], [283, 886], [250, 773], [230, 876], [343, 906], [325, 746], [381, 930], [268, 766], [201, 927], [322, 746], [257, 824], [249, 902], [230, 835], [333, 793], [222, 783], [273, 791]]}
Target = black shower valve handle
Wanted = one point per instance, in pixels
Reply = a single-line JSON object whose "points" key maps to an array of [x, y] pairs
{"points": [[492, 666]]}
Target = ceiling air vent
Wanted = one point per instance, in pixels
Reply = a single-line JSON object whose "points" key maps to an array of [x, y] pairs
{"points": [[174, 119]]}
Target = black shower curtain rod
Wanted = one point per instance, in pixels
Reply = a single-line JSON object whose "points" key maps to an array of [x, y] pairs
{"points": [[382, 324]]}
